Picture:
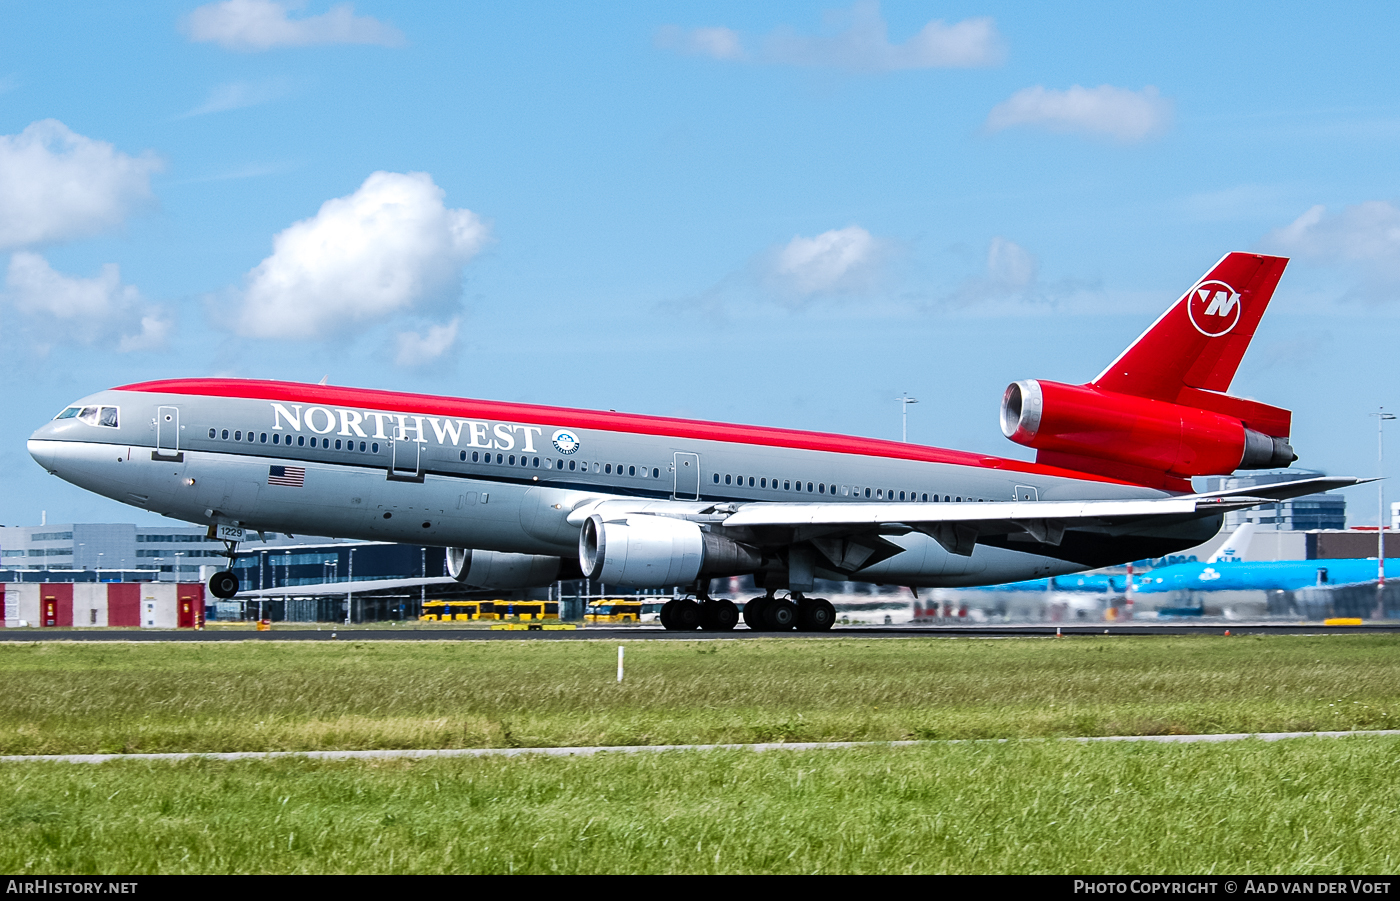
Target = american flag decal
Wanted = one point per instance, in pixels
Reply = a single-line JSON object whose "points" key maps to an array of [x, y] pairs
{"points": [[291, 476]]}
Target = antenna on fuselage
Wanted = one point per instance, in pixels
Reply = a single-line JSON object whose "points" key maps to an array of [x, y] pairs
{"points": [[324, 379]]}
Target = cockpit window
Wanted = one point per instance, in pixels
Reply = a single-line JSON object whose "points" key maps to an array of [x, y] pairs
{"points": [[99, 416]]}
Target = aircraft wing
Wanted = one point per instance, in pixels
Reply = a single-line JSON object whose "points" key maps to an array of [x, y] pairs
{"points": [[956, 526], [1282, 491]]}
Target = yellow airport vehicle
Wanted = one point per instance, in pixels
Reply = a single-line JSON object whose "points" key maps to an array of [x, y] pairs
{"points": [[611, 611], [1343, 621], [466, 611], [618, 610], [533, 627]]}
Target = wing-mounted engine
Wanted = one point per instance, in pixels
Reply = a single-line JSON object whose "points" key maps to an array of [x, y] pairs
{"points": [[1086, 428], [659, 551], [1159, 414], [497, 570]]}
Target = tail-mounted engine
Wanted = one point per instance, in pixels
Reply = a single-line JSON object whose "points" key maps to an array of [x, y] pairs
{"points": [[1093, 430], [658, 552]]}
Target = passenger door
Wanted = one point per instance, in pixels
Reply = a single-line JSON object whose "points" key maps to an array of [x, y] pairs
{"points": [[687, 467]]}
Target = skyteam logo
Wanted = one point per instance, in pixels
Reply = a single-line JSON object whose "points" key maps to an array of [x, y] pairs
{"points": [[1214, 308], [565, 442]]}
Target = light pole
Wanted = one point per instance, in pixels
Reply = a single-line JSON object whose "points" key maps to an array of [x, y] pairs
{"points": [[904, 401], [1381, 418]]}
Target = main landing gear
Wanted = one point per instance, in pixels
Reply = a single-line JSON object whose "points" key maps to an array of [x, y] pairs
{"points": [[224, 584], [702, 612], [773, 614]]}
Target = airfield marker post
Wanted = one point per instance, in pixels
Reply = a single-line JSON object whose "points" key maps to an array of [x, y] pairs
{"points": [[619, 663]]}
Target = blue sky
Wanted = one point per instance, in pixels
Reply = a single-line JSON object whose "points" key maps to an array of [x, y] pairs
{"points": [[778, 213]]}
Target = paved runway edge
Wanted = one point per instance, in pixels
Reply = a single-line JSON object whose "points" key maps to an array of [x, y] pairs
{"points": [[416, 754]]}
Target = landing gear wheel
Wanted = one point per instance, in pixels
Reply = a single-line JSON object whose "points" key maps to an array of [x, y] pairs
{"points": [[815, 615], [718, 616], [753, 613], [685, 616], [223, 584], [780, 615], [667, 614]]}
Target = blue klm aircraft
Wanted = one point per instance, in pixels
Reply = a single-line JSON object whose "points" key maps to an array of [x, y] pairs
{"points": [[1226, 571]]}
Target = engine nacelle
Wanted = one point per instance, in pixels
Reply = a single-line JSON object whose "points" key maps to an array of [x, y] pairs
{"points": [[494, 569], [658, 552], [1169, 438]]}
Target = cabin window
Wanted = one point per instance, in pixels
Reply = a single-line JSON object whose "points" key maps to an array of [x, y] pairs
{"points": [[655, 473], [276, 438], [631, 470], [571, 465], [726, 480], [238, 436], [786, 486], [763, 483], [337, 444], [301, 441], [901, 495], [462, 456], [926, 498], [512, 459], [212, 433], [374, 448], [263, 438], [821, 489], [225, 434], [535, 462]]}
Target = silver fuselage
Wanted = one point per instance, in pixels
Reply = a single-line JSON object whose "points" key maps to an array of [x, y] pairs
{"points": [[397, 468]]}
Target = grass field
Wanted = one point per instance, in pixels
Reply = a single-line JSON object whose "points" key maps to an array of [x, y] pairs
{"points": [[1303, 806], [144, 697]]}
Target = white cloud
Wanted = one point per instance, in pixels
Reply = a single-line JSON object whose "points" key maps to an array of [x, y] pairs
{"points": [[860, 43], [1366, 235], [717, 43], [96, 311], [265, 24], [56, 184], [1009, 265], [1118, 113], [414, 349], [387, 248], [831, 262], [236, 95]]}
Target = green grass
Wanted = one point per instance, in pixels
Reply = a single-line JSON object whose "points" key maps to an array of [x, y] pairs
{"points": [[1304, 806], [146, 697]]}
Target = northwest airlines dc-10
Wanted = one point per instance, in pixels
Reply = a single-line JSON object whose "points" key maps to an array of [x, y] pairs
{"points": [[525, 495]]}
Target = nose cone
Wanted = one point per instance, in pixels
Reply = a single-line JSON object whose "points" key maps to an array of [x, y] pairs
{"points": [[42, 451]]}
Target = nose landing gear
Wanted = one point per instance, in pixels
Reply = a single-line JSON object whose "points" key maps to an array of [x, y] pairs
{"points": [[224, 584]]}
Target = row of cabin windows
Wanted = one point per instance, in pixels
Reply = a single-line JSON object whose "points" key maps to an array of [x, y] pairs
{"points": [[573, 465], [822, 488], [261, 438]]}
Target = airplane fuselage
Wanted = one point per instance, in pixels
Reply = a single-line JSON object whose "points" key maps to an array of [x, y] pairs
{"points": [[307, 459]]}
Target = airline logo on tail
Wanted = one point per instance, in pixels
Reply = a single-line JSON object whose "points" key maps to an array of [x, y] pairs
{"points": [[1214, 308]]}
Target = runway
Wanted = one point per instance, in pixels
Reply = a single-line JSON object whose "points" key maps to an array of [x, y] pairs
{"points": [[656, 633], [589, 751]]}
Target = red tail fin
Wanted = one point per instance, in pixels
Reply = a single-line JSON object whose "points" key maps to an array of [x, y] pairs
{"points": [[1199, 342]]}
